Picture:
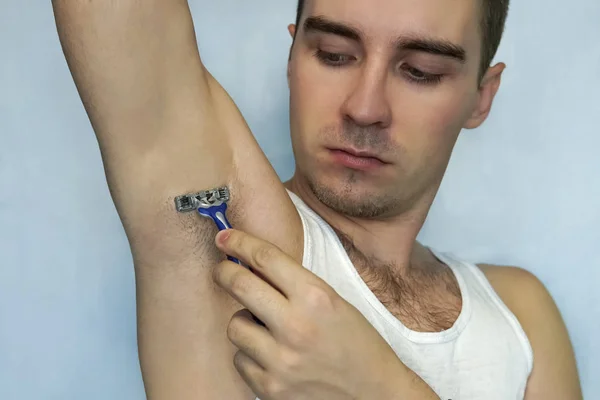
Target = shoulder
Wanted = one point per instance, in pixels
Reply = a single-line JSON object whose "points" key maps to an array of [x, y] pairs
{"points": [[515, 285], [554, 374], [522, 292]]}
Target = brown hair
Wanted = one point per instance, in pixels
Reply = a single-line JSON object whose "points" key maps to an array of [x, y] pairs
{"points": [[494, 13]]}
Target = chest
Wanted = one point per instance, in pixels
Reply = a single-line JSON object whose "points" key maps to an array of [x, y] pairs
{"points": [[424, 302]]}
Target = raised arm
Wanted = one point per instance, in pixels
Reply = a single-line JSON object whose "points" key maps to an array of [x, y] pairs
{"points": [[165, 128]]}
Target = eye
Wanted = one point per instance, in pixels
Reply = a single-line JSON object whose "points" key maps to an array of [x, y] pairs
{"points": [[333, 59], [418, 76]]}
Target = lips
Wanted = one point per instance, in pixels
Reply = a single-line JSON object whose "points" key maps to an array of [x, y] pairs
{"points": [[356, 160], [360, 154]]}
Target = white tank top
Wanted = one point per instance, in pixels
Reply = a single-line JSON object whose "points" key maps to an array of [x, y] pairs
{"points": [[485, 355]]}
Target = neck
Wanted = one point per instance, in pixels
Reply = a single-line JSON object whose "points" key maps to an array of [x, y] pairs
{"points": [[390, 241]]}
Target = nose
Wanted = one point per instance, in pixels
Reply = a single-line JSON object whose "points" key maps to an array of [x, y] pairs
{"points": [[367, 103]]}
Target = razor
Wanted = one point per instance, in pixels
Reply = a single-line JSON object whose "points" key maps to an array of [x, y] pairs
{"points": [[210, 204]]}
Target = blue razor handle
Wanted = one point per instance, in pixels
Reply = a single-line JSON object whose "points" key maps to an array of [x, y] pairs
{"points": [[218, 214]]}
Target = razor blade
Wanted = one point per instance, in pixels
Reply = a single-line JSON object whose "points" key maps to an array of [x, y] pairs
{"points": [[204, 199]]}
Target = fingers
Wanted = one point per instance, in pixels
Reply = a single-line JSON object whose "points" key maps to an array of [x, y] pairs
{"points": [[252, 373], [258, 296], [255, 344], [251, 338], [267, 260]]}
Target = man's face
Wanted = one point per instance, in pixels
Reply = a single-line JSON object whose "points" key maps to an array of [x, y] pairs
{"points": [[380, 90]]}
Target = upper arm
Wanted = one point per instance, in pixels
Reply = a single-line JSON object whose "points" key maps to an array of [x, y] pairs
{"points": [[166, 128], [554, 375]]}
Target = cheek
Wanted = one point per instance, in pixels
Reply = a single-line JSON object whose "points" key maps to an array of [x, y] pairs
{"points": [[317, 89], [315, 101], [428, 122], [433, 117]]}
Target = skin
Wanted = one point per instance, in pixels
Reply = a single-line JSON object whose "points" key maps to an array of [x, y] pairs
{"points": [[160, 117], [303, 351]]}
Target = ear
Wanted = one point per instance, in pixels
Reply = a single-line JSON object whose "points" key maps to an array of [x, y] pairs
{"points": [[292, 31], [485, 97]]}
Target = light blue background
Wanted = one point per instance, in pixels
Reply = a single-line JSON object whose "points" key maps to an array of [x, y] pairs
{"points": [[522, 190]]}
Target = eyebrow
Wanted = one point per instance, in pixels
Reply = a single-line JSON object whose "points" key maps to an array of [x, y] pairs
{"points": [[323, 25], [440, 47]]}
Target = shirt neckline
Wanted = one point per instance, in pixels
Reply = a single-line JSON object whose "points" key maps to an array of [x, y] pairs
{"points": [[414, 336]]}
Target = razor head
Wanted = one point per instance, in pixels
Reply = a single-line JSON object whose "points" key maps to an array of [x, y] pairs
{"points": [[205, 199]]}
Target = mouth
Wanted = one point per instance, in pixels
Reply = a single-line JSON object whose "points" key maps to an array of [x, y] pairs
{"points": [[357, 159]]}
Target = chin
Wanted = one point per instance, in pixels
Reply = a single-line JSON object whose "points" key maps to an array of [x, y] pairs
{"points": [[352, 195]]}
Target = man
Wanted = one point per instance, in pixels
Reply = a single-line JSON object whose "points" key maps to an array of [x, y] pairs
{"points": [[380, 91]]}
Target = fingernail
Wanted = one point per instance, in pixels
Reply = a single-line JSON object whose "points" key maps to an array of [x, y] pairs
{"points": [[222, 236]]}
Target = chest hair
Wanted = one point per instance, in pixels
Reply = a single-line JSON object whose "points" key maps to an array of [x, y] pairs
{"points": [[426, 298]]}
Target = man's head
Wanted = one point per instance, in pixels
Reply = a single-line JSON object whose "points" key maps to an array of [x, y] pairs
{"points": [[380, 90]]}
